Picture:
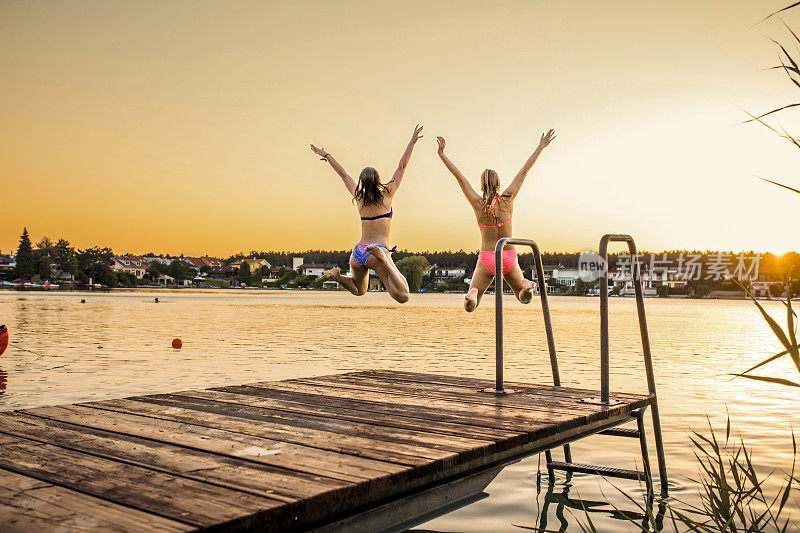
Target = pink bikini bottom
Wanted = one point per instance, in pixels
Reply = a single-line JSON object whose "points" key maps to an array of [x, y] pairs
{"points": [[509, 260]]}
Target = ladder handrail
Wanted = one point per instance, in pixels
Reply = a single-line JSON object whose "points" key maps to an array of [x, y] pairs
{"points": [[605, 364], [605, 367], [498, 312]]}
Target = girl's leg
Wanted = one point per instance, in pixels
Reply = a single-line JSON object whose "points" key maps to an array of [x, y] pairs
{"points": [[481, 279], [523, 288], [357, 282], [380, 261]]}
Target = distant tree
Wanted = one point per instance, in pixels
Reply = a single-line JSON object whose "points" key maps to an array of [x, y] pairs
{"points": [[205, 269], [25, 263], [180, 270], [244, 273], [126, 278], [64, 257], [233, 258], [582, 287], [284, 279], [155, 269], [454, 284], [413, 268], [260, 272], [95, 264], [43, 266], [74, 267], [46, 246], [304, 281]]}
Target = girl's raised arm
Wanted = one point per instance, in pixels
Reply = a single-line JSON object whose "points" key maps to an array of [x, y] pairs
{"points": [[472, 197], [519, 179], [394, 183], [348, 181]]}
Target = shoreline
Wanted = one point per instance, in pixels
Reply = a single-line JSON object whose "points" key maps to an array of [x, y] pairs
{"points": [[161, 288]]}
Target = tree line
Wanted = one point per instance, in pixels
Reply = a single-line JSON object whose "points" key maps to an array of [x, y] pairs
{"points": [[49, 259]]}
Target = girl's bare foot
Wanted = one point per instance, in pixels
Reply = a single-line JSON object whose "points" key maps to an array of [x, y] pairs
{"points": [[471, 300], [379, 252], [333, 273], [526, 294]]}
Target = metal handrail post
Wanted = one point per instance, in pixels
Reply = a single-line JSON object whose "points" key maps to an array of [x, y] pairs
{"points": [[605, 386], [551, 345], [498, 316], [498, 290]]}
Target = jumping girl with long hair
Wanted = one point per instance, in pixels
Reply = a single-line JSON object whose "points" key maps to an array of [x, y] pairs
{"points": [[493, 211], [374, 202]]}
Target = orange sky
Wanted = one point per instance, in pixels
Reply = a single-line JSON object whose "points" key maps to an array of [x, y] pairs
{"points": [[184, 126]]}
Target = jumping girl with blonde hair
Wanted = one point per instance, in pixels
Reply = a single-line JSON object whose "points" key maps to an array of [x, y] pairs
{"points": [[493, 211], [374, 202]]}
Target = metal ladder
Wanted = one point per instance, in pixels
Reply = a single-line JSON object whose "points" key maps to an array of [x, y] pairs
{"points": [[605, 388]]}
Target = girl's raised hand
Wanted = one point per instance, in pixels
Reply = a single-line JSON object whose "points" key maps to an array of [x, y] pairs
{"points": [[547, 138], [416, 135], [440, 140], [319, 151]]}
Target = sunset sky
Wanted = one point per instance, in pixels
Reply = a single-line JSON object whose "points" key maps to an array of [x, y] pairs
{"points": [[184, 126]]}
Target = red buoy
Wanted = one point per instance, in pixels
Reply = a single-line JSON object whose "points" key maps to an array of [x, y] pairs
{"points": [[176, 343], [3, 339]]}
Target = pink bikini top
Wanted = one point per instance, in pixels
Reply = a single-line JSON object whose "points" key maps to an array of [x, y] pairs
{"points": [[496, 199]]}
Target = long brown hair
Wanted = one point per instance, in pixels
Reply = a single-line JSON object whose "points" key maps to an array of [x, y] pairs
{"points": [[369, 190], [490, 182]]}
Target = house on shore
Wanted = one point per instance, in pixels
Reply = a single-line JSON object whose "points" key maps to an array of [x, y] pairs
{"points": [[7, 262], [199, 262], [443, 274], [565, 276], [162, 260], [222, 272], [252, 263], [132, 264], [314, 269], [166, 279]]}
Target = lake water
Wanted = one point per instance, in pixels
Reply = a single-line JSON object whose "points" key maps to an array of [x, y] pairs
{"points": [[118, 344]]}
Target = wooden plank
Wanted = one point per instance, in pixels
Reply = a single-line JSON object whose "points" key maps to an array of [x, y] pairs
{"points": [[28, 504], [529, 402], [413, 408], [415, 436], [229, 443], [340, 413], [399, 453], [496, 415], [262, 480], [461, 386], [477, 383], [426, 445], [173, 497]]}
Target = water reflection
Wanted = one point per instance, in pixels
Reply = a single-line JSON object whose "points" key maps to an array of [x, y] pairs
{"points": [[643, 516], [3, 381]]}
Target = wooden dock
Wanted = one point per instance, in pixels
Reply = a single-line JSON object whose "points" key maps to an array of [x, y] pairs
{"points": [[362, 451]]}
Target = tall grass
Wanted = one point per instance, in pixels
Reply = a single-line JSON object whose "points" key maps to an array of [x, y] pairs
{"points": [[787, 337], [790, 65], [734, 497]]}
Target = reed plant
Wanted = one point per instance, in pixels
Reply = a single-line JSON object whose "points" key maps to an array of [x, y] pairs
{"points": [[790, 65], [733, 496], [787, 337]]}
